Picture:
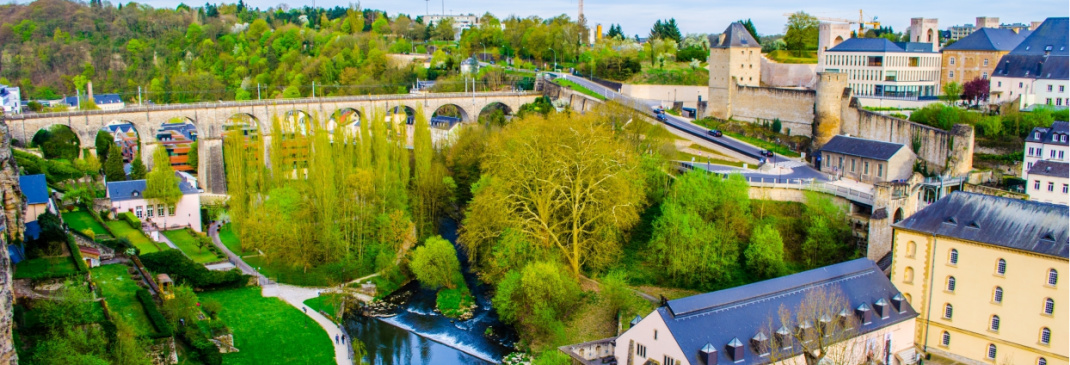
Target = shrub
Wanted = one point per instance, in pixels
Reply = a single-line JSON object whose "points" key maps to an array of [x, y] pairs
{"points": [[205, 349], [184, 271], [131, 219], [163, 329], [76, 255]]}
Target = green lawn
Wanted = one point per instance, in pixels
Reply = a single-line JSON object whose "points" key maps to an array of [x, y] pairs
{"points": [[323, 275], [45, 267], [188, 244], [138, 239], [580, 88], [119, 291], [327, 303], [80, 220], [269, 331], [230, 239]]}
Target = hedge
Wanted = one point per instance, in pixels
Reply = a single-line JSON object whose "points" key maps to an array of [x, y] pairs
{"points": [[163, 329], [76, 255], [198, 341], [184, 271], [130, 219]]}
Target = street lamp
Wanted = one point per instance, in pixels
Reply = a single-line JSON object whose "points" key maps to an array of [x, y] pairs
{"points": [[555, 58], [484, 51]]}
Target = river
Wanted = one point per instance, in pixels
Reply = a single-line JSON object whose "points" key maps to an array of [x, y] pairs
{"points": [[419, 335]]}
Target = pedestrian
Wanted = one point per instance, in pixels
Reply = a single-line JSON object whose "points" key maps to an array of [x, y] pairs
{"points": [[336, 339], [305, 309], [343, 339]]}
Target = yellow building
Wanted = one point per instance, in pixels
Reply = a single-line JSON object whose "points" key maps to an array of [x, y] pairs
{"points": [[983, 272], [976, 55]]}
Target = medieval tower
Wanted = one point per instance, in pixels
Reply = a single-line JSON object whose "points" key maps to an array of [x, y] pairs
{"points": [[736, 59], [828, 107], [925, 30]]}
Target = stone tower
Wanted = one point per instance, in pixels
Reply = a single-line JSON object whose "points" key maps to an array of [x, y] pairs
{"points": [[987, 22], [830, 35], [734, 60], [828, 106], [925, 30]]}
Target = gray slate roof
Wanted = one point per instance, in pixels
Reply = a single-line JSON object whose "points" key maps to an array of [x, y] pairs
{"points": [[35, 188], [1044, 54], [861, 147], [988, 39], [1052, 32], [135, 189], [1012, 223], [1058, 129], [719, 317], [866, 45], [1050, 168], [736, 35]]}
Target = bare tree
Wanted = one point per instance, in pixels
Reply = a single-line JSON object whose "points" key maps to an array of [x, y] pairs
{"points": [[822, 329]]}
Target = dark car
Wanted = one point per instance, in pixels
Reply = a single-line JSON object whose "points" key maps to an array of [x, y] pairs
{"points": [[660, 116], [767, 153], [715, 133]]}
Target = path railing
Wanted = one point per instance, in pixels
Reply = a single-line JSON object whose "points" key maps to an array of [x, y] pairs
{"points": [[799, 184]]}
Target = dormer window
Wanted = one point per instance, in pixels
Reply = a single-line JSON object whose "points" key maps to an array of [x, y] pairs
{"points": [[1036, 135], [951, 220], [974, 224], [783, 337], [760, 342]]}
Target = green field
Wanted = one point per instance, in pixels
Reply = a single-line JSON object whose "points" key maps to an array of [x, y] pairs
{"points": [[230, 239], [322, 275], [269, 331], [574, 86], [327, 303], [80, 220], [45, 267], [119, 291], [188, 244], [138, 239]]}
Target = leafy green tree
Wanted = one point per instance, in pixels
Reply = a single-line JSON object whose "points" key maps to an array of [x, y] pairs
{"points": [[444, 30], [113, 166], [193, 156], [381, 25], [103, 142], [138, 170], [535, 299], [162, 184], [952, 92], [765, 254], [828, 233], [435, 263], [800, 33]]}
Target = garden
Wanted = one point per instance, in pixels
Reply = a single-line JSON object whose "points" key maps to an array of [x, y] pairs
{"points": [[81, 220], [230, 239], [135, 236], [120, 294], [46, 267], [197, 247]]}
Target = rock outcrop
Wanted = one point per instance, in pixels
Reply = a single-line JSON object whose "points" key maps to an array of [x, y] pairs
{"points": [[12, 225]]}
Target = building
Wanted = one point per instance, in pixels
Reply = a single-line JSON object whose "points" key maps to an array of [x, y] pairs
{"points": [[35, 188], [1035, 72], [126, 138], [735, 60], [923, 30], [127, 196], [830, 35], [878, 68], [983, 272], [744, 325], [1049, 182], [975, 56], [91, 256], [866, 160], [460, 22], [178, 139], [103, 101], [957, 32], [11, 99], [1046, 144], [470, 66]]}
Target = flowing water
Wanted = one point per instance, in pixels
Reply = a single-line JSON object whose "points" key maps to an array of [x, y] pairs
{"points": [[418, 335]]}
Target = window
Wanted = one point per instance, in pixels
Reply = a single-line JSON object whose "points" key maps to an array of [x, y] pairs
{"points": [[951, 74], [149, 211], [951, 283], [952, 60], [171, 210], [1036, 184], [912, 248], [668, 360], [1066, 188], [1051, 186], [880, 170], [945, 339], [852, 165], [1042, 361], [1019, 85], [947, 311], [1053, 277], [640, 350], [1049, 306], [1062, 154], [1030, 151], [1062, 88], [984, 75], [1001, 267], [993, 324], [138, 211], [1047, 101], [986, 65], [997, 295], [954, 258], [1045, 336], [1053, 151], [908, 275], [999, 83], [655, 334], [1050, 88], [991, 351]]}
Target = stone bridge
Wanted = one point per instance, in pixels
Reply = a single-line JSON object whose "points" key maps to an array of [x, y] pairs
{"points": [[210, 117]]}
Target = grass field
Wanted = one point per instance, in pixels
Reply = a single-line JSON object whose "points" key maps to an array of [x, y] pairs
{"points": [[119, 291], [138, 239], [80, 220], [327, 303], [188, 244], [580, 88], [269, 331], [45, 267], [230, 239], [323, 275]]}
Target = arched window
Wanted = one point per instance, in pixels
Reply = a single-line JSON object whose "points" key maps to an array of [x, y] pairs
{"points": [[954, 257], [951, 283], [993, 324], [1053, 277], [908, 297], [997, 295], [908, 275], [945, 339], [947, 311], [1001, 267], [991, 351], [1042, 361], [1049, 306], [911, 249], [1045, 335]]}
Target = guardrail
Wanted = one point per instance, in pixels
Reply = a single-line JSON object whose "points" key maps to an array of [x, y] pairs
{"points": [[799, 184], [269, 102]]}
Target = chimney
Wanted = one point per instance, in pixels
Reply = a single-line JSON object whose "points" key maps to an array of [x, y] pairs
{"points": [[708, 354], [735, 350], [89, 91]]}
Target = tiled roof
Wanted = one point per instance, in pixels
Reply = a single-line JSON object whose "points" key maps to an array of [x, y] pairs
{"points": [[1052, 32], [35, 188], [714, 320], [736, 35], [1050, 168], [866, 45], [99, 99], [861, 147], [988, 39], [1013, 223], [1057, 129], [1044, 54], [135, 189]]}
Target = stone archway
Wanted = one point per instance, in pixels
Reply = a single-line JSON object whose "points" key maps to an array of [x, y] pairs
{"points": [[243, 124], [448, 115], [898, 216], [297, 121], [57, 141], [489, 114], [127, 138], [179, 136]]}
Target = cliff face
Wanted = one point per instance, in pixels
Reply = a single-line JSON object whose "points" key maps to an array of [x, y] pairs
{"points": [[12, 224]]}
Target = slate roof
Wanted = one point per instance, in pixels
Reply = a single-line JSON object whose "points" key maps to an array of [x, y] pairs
{"points": [[721, 317], [1052, 32], [35, 188], [866, 45], [915, 47], [32, 231], [1050, 168], [135, 189], [861, 147], [1044, 54], [988, 39], [736, 35], [1013, 223], [1057, 128], [99, 99]]}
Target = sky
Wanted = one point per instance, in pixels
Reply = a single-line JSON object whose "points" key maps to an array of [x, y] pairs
{"points": [[705, 16]]}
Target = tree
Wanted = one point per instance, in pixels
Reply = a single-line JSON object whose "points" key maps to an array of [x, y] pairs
{"points": [[952, 92], [535, 299], [750, 29], [113, 166], [665, 30], [765, 254], [825, 337], [828, 233], [435, 263], [777, 125], [104, 141], [615, 32], [976, 91], [137, 168], [444, 30], [800, 33], [162, 185], [381, 25], [193, 156]]}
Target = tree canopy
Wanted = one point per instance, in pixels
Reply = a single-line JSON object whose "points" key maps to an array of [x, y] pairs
{"points": [[800, 33]]}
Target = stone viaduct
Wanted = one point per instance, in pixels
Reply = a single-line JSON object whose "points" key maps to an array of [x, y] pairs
{"points": [[209, 119]]}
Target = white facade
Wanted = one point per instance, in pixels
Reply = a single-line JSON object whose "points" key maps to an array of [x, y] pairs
{"points": [[1051, 144], [1032, 91], [887, 74], [1048, 189]]}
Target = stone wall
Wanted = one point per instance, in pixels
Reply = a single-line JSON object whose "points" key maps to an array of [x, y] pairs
{"points": [[794, 108], [941, 150], [12, 224], [682, 93], [788, 74]]}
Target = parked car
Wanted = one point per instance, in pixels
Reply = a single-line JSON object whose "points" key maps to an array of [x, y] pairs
{"points": [[660, 117], [715, 133], [767, 153]]}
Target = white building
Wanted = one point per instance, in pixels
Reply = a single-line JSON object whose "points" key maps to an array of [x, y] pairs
{"points": [[460, 22], [10, 99], [1046, 144], [1035, 72], [1049, 182], [878, 68], [128, 196]]}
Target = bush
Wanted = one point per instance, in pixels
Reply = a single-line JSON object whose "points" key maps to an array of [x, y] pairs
{"points": [[131, 219], [184, 271], [205, 349], [76, 255], [163, 329]]}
